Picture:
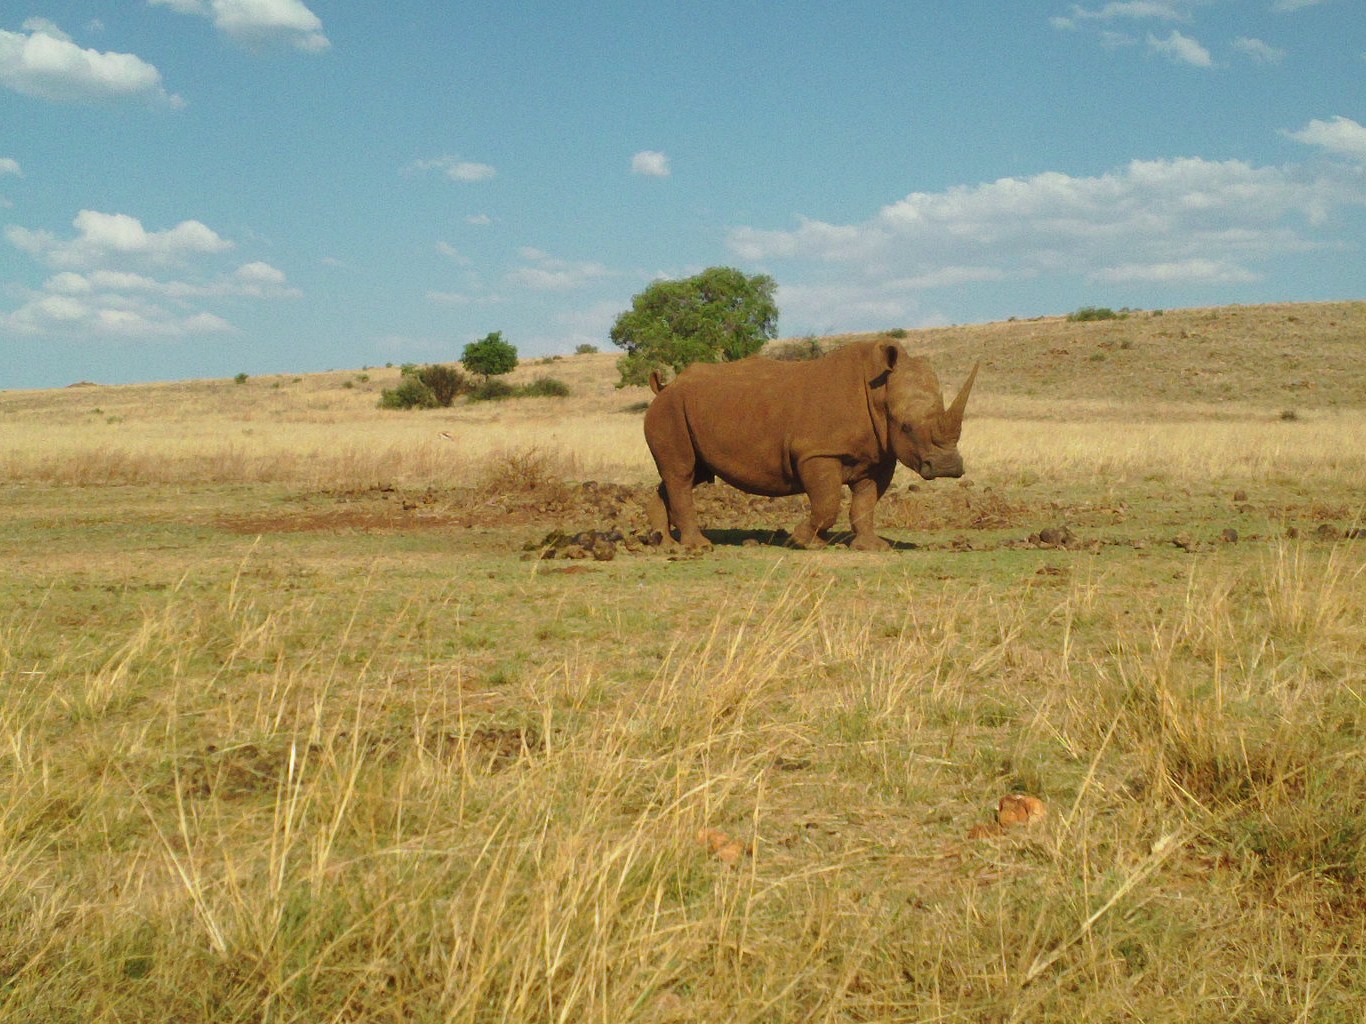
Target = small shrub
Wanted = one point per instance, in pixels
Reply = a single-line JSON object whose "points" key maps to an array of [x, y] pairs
{"points": [[407, 369], [241, 378], [363, 378], [799, 350], [1088, 313], [348, 384], [492, 391], [446, 382], [411, 393], [544, 387], [521, 472], [586, 350], [1290, 415], [898, 333]]}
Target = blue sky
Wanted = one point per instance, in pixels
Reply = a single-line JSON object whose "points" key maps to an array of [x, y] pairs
{"points": [[193, 188]]}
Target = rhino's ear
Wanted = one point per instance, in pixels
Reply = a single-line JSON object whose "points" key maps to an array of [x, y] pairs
{"points": [[884, 360]]}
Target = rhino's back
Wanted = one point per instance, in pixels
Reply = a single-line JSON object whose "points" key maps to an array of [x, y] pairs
{"points": [[752, 420]]}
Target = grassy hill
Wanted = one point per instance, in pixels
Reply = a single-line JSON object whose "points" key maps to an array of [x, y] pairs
{"points": [[1303, 355]]}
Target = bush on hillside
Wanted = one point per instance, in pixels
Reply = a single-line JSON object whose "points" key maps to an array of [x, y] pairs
{"points": [[490, 356], [492, 391], [1087, 313], [544, 387], [797, 351], [715, 316], [411, 393], [446, 382], [436, 385]]}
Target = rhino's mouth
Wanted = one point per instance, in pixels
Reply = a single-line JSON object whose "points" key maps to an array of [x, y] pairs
{"points": [[945, 465]]}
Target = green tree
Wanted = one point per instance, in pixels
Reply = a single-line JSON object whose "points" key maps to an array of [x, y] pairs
{"points": [[490, 356], [712, 317]]}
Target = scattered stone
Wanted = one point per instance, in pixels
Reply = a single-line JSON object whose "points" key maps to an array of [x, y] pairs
{"points": [[1229, 535], [1292, 532], [1240, 495], [1053, 537], [1185, 542], [599, 545], [1327, 531], [961, 543]]}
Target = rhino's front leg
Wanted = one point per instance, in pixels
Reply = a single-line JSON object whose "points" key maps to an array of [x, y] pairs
{"points": [[823, 482], [866, 495]]}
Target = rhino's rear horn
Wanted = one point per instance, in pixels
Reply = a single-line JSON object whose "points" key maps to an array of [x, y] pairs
{"points": [[955, 411]]}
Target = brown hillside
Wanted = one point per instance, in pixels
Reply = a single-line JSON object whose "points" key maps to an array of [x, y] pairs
{"points": [[1302, 355]]}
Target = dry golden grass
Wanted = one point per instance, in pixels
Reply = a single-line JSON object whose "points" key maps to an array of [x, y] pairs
{"points": [[1059, 416], [207, 817], [250, 771]]}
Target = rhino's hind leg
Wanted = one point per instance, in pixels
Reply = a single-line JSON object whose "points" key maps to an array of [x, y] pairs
{"points": [[822, 483], [676, 494], [657, 515]]}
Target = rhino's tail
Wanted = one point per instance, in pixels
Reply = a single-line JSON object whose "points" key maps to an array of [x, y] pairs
{"points": [[656, 385]]}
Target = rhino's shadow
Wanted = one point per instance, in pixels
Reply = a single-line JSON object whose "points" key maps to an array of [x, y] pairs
{"points": [[783, 539]]}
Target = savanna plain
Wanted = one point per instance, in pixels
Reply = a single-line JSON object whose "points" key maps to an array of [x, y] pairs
{"points": [[297, 723]]}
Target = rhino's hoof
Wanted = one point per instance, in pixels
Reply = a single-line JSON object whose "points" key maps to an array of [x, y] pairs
{"points": [[869, 544]]}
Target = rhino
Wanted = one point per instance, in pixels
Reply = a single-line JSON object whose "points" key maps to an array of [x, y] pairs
{"points": [[779, 428]]}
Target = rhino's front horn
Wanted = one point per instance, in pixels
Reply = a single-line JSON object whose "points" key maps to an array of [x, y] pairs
{"points": [[955, 411]]}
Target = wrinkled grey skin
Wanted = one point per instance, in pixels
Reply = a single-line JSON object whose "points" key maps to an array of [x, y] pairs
{"points": [[778, 428]]}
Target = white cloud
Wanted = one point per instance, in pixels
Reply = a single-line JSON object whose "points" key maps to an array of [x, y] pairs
{"points": [[1339, 135], [1258, 51], [1182, 49], [1289, 6], [102, 236], [251, 280], [479, 220], [1177, 272], [108, 280], [259, 22], [547, 274], [454, 168], [44, 63], [1174, 11], [9, 165], [464, 299], [452, 253], [1153, 222], [100, 316], [650, 164]]}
